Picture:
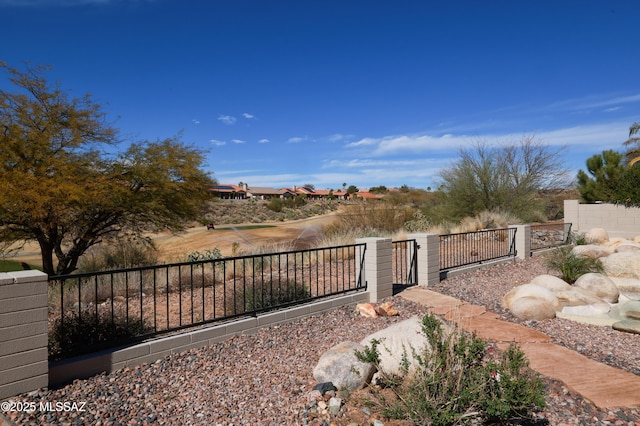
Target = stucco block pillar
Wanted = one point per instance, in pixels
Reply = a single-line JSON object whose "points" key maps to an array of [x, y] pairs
{"points": [[572, 214], [24, 359], [378, 269], [428, 258], [523, 241]]}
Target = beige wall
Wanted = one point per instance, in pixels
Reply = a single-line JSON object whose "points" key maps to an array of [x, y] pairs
{"points": [[619, 221], [23, 332]]}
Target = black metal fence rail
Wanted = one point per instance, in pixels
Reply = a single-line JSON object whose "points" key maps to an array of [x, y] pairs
{"points": [[404, 262], [104, 309], [469, 248], [547, 235]]}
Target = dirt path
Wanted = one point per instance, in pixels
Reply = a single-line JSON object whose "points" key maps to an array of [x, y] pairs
{"points": [[174, 248]]}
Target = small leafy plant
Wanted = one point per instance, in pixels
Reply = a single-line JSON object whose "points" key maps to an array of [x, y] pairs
{"points": [[458, 378], [570, 266]]}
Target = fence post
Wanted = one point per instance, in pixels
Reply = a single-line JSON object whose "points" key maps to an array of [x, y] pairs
{"points": [[428, 258], [24, 358], [523, 241], [378, 269]]}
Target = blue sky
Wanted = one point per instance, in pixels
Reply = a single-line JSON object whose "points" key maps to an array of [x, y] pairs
{"points": [[366, 92]]}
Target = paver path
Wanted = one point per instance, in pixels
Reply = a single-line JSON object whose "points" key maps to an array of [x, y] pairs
{"points": [[604, 386]]}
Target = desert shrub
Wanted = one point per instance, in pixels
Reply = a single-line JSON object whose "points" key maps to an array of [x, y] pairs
{"points": [[486, 219], [370, 219], [212, 254], [275, 205], [457, 379], [125, 254], [418, 223], [570, 266], [270, 294], [81, 334], [578, 238]]}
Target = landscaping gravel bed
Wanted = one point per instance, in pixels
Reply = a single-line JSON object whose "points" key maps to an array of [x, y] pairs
{"points": [[266, 378]]}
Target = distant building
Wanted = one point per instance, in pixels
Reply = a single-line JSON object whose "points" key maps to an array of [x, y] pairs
{"points": [[234, 192], [229, 192]]}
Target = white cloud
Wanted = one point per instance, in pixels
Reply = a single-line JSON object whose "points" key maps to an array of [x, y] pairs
{"points": [[593, 102], [297, 139], [227, 119], [597, 136], [337, 137], [217, 142], [194, 121], [263, 141], [239, 141], [248, 116]]}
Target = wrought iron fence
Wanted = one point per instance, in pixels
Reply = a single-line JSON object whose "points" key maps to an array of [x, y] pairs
{"points": [[548, 235], [469, 248], [91, 311], [404, 260]]}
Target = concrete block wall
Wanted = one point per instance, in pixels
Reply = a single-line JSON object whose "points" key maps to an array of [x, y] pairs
{"points": [[378, 267], [618, 220], [23, 332], [24, 362], [149, 351], [523, 241], [428, 258]]}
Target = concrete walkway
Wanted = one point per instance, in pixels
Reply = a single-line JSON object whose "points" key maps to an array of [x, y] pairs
{"points": [[604, 386]]}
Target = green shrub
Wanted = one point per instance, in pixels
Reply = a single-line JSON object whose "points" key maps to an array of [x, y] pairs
{"points": [[212, 254], [81, 334], [271, 294], [275, 205], [459, 379], [570, 266]]}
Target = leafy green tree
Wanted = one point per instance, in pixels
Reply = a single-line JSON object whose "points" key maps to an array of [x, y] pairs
{"points": [[605, 170], [352, 189], [609, 179], [506, 177], [63, 186], [633, 154], [378, 189]]}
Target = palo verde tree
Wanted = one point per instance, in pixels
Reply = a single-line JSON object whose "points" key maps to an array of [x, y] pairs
{"points": [[62, 188], [501, 177]]}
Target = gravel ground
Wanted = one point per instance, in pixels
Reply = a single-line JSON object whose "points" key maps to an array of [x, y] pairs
{"points": [[266, 378]]}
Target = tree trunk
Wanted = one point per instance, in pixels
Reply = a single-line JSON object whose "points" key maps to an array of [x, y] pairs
{"points": [[46, 251]]}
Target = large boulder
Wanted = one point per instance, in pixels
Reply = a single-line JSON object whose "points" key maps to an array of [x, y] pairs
{"points": [[632, 247], [623, 265], [550, 282], [397, 340], [597, 235], [340, 366], [600, 285], [628, 287], [577, 296], [532, 308], [531, 302], [592, 251], [530, 290]]}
